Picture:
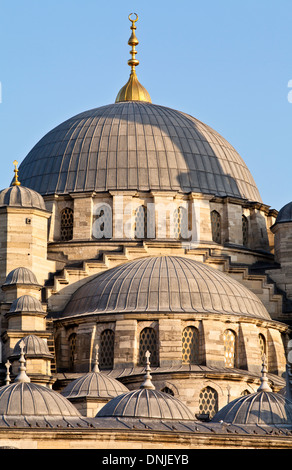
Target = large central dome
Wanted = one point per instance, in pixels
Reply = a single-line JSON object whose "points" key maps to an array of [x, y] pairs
{"points": [[136, 146]]}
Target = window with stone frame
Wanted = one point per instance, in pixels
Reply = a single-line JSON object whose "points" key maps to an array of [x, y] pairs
{"points": [[229, 339], [140, 223], [106, 350], [148, 342], [216, 227], [208, 402], [180, 223], [67, 220], [72, 351], [244, 231], [190, 345]]}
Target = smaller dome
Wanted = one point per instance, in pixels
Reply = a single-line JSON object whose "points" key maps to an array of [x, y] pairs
{"points": [[23, 398], [26, 304], [285, 214], [22, 276], [33, 346], [30, 399], [146, 403], [263, 407], [257, 408], [20, 196], [94, 384]]}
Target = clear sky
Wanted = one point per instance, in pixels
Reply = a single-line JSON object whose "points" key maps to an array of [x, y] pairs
{"points": [[226, 62]]}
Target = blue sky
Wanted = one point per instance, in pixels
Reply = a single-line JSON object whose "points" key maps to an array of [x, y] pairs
{"points": [[228, 63]]}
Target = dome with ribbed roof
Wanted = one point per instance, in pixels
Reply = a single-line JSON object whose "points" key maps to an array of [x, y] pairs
{"points": [[146, 402], [21, 276], [33, 346], [30, 399], [94, 384], [26, 303], [20, 196], [165, 284], [257, 408], [136, 146]]}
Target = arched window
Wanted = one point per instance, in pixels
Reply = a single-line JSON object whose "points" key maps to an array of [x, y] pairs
{"points": [[106, 350], [263, 345], [216, 226], [208, 401], [72, 351], [102, 226], [179, 224], [140, 225], [148, 342], [244, 231], [168, 390], [67, 220], [244, 393], [229, 339], [190, 345]]}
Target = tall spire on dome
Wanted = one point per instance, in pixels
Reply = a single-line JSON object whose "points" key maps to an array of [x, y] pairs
{"points": [[133, 90]]}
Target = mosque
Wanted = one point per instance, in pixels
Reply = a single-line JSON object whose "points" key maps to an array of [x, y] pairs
{"points": [[146, 288]]}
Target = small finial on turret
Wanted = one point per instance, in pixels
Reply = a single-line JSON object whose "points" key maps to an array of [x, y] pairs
{"points": [[7, 380], [16, 182], [147, 382], [22, 376], [95, 365], [264, 387]]}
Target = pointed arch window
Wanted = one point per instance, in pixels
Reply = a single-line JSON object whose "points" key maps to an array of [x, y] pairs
{"points": [[148, 342], [208, 401], [190, 345], [244, 231], [216, 226], [106, 351], [67, 220], [229, 339], [72, 351], [140, 224], [263, 345]]}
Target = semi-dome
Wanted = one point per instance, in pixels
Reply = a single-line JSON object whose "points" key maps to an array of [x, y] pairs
{"points": [[285, 214], [20, 196], [26, 303], [135, 145], [21, 276], [165, 284], [33, 346]]}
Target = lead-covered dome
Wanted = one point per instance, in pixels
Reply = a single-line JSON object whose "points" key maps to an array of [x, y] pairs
{"points": [[165, 284], [94, 385], [30, 399], [263, 407], [136, 146], [20, 196]]}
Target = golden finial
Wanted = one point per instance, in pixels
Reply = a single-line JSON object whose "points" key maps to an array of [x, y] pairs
{"points": [[16, 182], [133, 90]]}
